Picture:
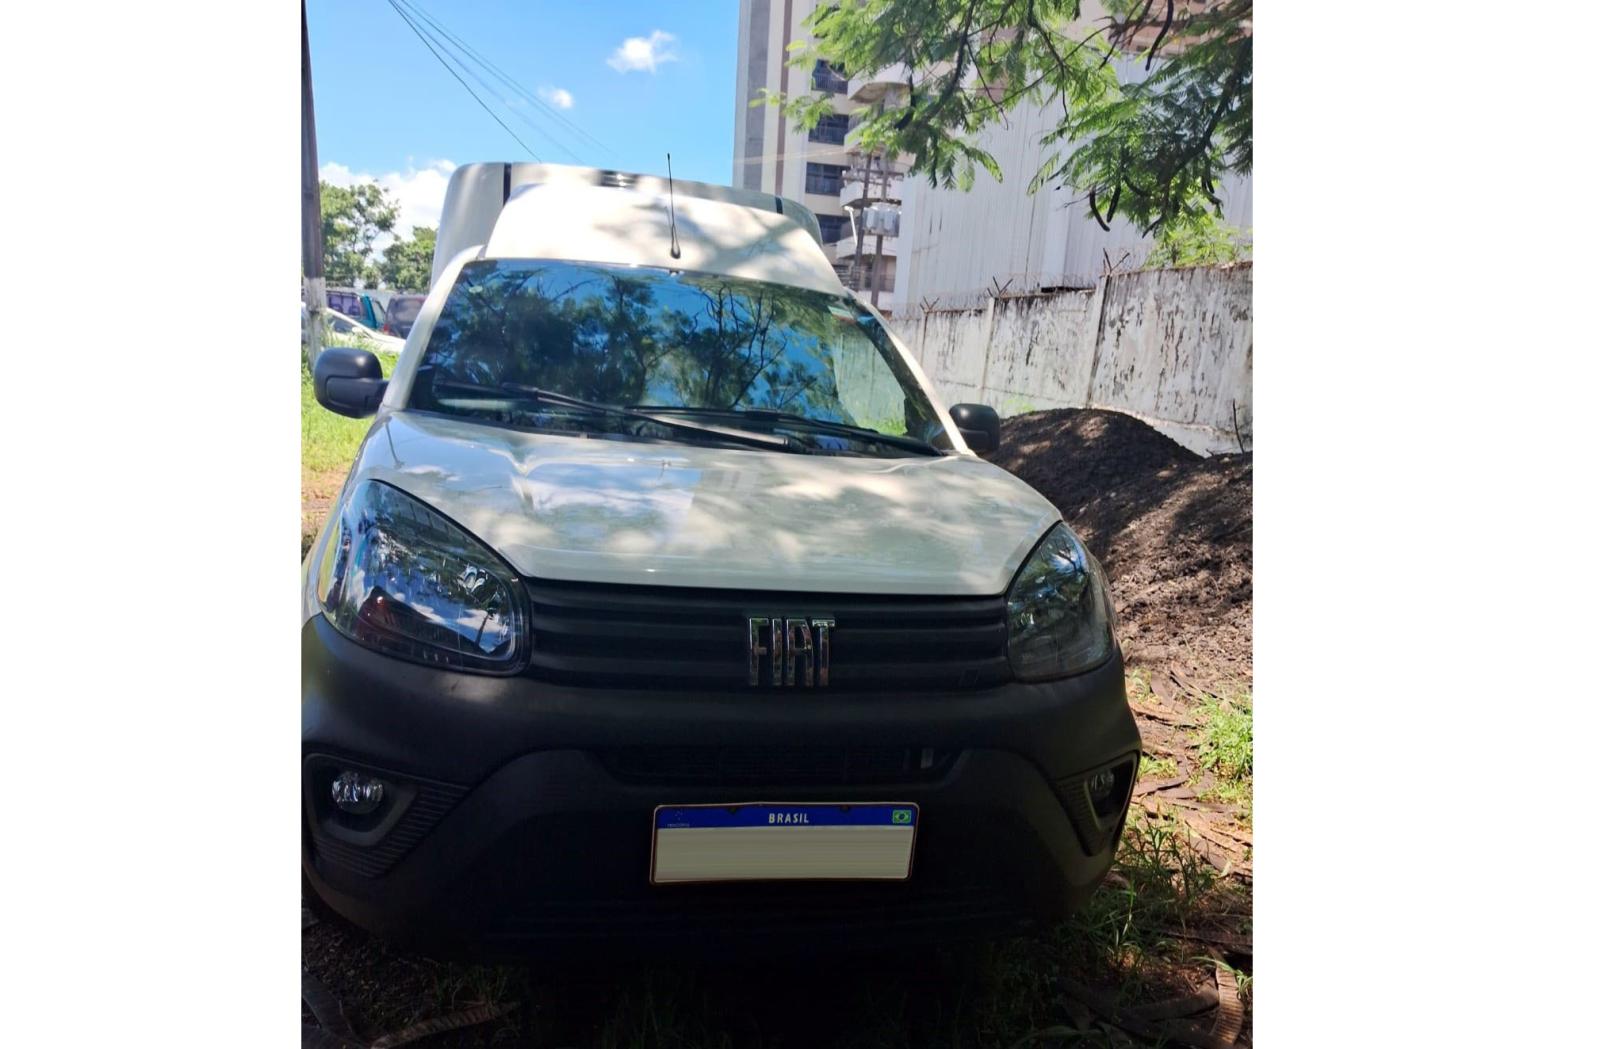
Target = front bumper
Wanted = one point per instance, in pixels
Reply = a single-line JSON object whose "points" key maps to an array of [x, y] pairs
{"points": [[520, 812]]}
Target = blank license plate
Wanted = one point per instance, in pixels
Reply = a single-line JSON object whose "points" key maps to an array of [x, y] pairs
{"points": [[765, 842]]}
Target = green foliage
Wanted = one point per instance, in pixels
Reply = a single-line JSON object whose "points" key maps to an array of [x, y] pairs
{"points": [[407, 265], [1205, 241], [1157, 768], [1160, 883], [804, 110], [352, 218], [1151, 150], [1226, 738]]}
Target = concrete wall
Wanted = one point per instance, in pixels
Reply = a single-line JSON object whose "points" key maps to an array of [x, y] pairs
{"points": [[1172, 347]]}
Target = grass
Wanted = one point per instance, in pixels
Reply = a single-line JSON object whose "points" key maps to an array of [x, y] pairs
{"points": [[329, 441], [1157, 768], [1227, 748], [457, 986], [1160, 884], [328, 445], [1226, 743]]}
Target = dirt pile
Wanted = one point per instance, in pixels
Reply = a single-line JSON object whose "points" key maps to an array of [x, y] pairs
{"points": [[1172, 528]]}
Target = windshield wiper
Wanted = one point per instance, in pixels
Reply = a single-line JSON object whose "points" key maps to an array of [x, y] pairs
{"points": [[537, 395], [861, 433]]}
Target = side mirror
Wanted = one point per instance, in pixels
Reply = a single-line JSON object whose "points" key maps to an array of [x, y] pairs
{"points": [[979, 425], [349, 381]]}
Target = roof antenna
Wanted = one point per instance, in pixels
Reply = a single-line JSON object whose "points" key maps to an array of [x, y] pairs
{"points": [[672, 210]]}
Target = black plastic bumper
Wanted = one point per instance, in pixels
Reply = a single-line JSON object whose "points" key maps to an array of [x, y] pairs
{"points": [[510, 824]]}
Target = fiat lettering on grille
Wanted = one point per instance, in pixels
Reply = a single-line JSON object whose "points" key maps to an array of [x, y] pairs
{"points": [[796, 650]]}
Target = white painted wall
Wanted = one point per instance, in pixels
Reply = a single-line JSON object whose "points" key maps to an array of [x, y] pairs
{"points": [[956, 245], [1173, 347]]}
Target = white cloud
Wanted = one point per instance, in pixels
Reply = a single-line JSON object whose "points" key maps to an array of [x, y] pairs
{"points": [[417, 192], [644, 52], [559, 97]]}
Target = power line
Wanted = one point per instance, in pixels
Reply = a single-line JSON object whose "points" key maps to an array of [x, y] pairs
{"points": [[463, 83], [505, 78], [466, 67]]}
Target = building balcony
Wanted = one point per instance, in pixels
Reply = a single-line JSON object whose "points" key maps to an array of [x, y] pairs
{"points": [[845, 249], [868, 88]]}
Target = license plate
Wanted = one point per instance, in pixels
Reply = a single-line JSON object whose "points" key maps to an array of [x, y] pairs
{"points": [[759, 841]]}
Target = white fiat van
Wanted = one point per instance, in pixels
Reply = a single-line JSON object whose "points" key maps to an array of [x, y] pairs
{"points": [[665, 605]]}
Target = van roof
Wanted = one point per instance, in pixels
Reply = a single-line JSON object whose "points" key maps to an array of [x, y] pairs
{"points": [[594, 215]]}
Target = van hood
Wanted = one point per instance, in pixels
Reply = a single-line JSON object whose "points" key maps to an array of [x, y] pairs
{"points": [[612, 511]]}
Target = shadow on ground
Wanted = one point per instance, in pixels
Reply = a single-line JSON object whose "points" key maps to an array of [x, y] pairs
{"points": [[1110, 977]]}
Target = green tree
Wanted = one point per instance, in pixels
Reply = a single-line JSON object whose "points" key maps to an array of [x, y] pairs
{"points": [[407, 265], [352, 218], [1151, 149], [1206, 241]]}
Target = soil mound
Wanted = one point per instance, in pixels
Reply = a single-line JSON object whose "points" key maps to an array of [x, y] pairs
{"points": [[1172, 528]]}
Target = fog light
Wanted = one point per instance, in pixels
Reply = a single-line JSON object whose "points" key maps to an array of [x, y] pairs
{"points": [[357, 794], [1100, 787]]}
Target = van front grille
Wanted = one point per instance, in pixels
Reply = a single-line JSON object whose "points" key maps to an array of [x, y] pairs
{"points": [[776, 766], [680, 638]]}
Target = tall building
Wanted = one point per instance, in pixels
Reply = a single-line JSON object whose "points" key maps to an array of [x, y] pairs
{"points": [[814, 167]]}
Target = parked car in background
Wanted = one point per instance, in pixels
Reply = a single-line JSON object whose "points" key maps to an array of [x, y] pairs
{"points": [[338, 323], [367, 305], [402, 314]]}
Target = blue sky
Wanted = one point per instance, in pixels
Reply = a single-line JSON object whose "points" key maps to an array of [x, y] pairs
{"points": [[642, 78]]}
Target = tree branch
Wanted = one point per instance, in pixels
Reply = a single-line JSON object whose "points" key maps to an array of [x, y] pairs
{"points": [[961, 56], [1165, 27]]}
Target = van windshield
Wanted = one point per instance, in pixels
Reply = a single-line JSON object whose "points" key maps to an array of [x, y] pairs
{"points": [[816, 367]]}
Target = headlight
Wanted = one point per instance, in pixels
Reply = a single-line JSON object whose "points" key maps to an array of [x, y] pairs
{"points": [[1058, 611], [400, 578]]}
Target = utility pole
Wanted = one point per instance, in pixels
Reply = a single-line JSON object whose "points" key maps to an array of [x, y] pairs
{"points": [[316, 291], [877, 259], [861, 224]]}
